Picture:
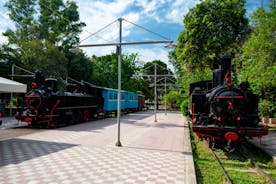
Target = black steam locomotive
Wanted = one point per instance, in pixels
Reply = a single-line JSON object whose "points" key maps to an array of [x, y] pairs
{"points": [[46, 106], [222, 113]]}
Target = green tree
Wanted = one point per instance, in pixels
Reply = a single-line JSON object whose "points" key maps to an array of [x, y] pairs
{"points": [[21, 12], [148, 69], [59, 22], [173, 99], [79, 67], [161, 68], [43, 39], [45, 57], [106, 72], [212, 28], [259, 54]]}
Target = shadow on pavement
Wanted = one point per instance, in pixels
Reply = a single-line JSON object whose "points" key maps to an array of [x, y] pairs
{"points": [[93, 126], [15, 151]]}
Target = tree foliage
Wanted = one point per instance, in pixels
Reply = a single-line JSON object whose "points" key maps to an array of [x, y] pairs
{"points": [[212, 28], [59, 22], [44, 33], [106, 72], [259, 54], [161, 68]]}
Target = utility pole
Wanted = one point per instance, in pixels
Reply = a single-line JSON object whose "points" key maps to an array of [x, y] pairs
{"points": [[155, 86], [165, 85], [11, 93], [119, 48], [155, 91], [165, 95]]}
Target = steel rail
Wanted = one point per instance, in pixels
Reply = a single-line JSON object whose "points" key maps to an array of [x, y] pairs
{"points": [[222, 168], [247, 155]]}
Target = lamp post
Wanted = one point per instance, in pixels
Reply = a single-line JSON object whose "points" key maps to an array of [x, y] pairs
{"points": [[119, 49]]}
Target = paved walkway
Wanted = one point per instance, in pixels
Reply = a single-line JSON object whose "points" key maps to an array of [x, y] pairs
{"points": [[152, 152], [10, 122]]}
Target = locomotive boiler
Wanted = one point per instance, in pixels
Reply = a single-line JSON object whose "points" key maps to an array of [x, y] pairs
{"points": [[223, 113], [45, 105]]}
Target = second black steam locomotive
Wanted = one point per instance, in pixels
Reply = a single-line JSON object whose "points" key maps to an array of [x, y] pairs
{"points": [[223, 113]]}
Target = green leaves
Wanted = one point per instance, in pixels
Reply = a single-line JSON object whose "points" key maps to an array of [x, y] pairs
{"points": [[259, 52], [212, 28], [45, 31]]}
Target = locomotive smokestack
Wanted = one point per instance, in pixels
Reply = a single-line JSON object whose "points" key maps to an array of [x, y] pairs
{"points": [[224, 70], [225, 62], [39, 78]]}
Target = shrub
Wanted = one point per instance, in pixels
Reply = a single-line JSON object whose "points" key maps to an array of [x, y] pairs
{"points": [[184, 106], [271, 108]]}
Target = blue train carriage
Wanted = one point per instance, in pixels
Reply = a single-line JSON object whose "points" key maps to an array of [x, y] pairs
{"points": [[131, 101], [110, 100]]}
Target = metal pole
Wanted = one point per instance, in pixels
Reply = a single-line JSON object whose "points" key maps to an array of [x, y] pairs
{"points": [[155, 92], [165, 95], [11, 93], [119, 48]]}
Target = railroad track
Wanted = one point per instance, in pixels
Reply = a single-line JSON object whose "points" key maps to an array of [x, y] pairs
{"points": [[247, 155], [228, 180]]}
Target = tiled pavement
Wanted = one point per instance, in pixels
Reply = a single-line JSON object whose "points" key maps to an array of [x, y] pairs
{"points": [[85, 153]]}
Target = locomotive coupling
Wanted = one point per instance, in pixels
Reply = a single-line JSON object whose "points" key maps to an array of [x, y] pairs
{"points": [[231, 136]]}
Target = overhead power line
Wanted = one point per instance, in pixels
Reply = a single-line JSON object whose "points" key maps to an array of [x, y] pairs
{"points": [[141, 27], [93, 34]]}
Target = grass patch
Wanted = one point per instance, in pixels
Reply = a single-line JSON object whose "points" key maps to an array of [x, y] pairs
{"points": [[238, 168], [272, 128]]}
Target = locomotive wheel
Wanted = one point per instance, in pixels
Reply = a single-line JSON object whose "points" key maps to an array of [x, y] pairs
{"points": [[76, 116], [53, 124], [67, 118], [230, 146], [85, 115], [211, 143]]}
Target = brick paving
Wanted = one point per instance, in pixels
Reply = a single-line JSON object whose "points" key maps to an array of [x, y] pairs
{"points": [[152, 152]]}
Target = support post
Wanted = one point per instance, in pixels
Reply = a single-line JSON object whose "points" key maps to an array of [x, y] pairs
{"points": [[119, 49], [165, 95], [11, 93], [155, 91]]}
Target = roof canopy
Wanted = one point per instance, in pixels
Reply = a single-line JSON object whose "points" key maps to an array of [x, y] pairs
{"points": [[9, 86]]}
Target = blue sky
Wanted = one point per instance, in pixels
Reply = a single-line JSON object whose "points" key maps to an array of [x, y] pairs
{"points": [[164, 17]]}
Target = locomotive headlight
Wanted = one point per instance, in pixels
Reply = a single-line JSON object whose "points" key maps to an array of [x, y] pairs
{"points": [[238, 118], [219, 118]]}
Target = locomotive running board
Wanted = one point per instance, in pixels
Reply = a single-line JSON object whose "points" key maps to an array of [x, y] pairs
{"points": [[216, 131]]}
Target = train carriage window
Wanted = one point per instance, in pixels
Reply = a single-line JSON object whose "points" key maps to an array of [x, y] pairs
{"points": [[110, 95], [115, 96]]}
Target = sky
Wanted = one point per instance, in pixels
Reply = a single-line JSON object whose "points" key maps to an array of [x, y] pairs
{"points": [[144, 20]]}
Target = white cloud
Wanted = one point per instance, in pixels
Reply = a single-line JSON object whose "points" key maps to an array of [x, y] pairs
{"points": [[178, 9], [6, 23], [97, 14], [150, 54]]}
